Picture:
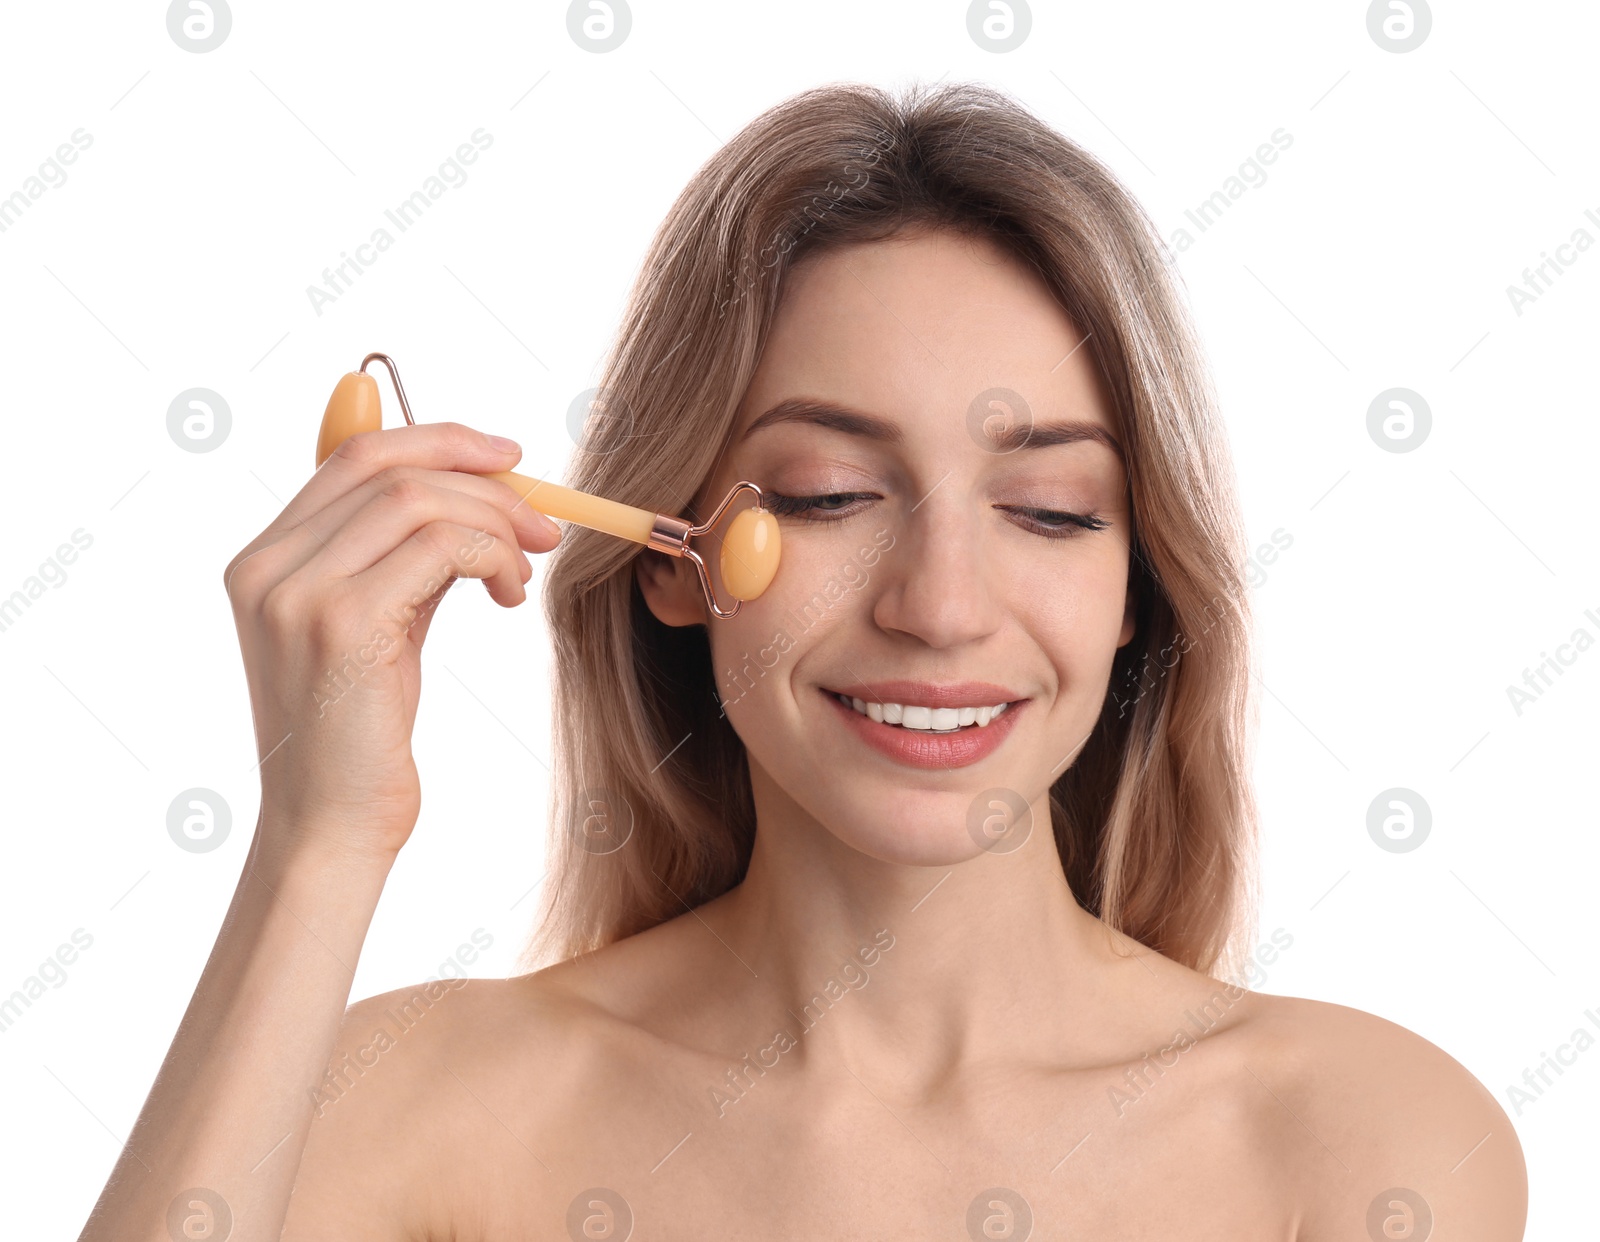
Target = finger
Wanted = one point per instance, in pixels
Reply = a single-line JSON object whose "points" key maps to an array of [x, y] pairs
{"points": [[403, 582], [434, 446], [401, 513], [367, 524]]}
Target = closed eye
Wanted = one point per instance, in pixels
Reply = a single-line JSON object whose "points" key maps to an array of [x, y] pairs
{"points": [[800, 506], [1051, 523], [1059, 521]]}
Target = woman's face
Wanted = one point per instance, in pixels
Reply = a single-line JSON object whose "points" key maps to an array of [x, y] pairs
{"points": [[920, 546]]}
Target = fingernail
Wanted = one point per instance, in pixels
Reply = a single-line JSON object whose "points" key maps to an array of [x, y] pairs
{"points": [[505, 445]]}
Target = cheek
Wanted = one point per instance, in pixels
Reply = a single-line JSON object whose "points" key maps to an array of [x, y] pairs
{"points": [[746, 652], [823, 578], [1074, 611], [1083, 594], [817, 589], [734, 643]]}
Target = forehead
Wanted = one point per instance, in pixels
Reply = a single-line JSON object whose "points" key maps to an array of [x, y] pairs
{"points": [[918, 327]]}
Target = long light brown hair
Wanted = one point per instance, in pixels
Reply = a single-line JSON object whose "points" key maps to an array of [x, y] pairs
{"points": [[1155, 820]]}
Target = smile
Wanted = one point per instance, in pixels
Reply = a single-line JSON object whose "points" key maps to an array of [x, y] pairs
{"points": [[927, 737], [926, 719]]}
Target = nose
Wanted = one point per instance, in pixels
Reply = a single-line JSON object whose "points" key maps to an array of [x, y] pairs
{"points": [[936, 580]]}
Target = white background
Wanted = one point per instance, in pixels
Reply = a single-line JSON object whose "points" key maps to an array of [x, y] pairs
{"points": [[1377, 254]]}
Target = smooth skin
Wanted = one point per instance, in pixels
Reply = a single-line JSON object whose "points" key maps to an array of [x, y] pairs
{"points": [[981, 1046]]}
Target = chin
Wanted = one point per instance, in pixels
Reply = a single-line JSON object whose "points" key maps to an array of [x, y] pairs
{"points": [[908, 838]]}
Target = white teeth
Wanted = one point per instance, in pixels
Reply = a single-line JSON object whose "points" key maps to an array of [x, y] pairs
{"points": [[927, 719]]}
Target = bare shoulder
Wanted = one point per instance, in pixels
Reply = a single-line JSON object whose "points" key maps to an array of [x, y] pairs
{"points": [[416, 1076], [446, 1107], [1383, 1130]]}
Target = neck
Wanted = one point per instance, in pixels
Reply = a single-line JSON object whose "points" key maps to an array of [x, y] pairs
{"points": [[939, 966]]}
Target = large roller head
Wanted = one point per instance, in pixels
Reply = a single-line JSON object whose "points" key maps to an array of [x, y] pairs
{"points": [[750, 553]]}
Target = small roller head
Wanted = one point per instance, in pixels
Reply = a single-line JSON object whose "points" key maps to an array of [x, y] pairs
{"points": [[354, 407]]}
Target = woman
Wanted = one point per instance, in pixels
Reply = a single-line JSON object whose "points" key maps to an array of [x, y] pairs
{"points": [[903, 904]]}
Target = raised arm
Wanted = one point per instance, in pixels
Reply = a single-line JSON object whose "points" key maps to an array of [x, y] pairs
{"points": [[332, 603]]}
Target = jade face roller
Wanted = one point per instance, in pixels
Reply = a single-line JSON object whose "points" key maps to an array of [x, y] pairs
{"points": [[749, 556]]}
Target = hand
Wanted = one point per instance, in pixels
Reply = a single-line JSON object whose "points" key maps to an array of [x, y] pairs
{"points": [[332, 603]]}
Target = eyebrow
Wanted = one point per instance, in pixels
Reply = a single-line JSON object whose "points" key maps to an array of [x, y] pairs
{"points": [[870, 426]]}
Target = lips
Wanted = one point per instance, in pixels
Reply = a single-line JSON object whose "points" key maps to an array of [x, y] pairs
{"points": [[918, 748]]}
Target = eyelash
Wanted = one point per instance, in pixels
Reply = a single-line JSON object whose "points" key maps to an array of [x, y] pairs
{"points": [[795, 506]]}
